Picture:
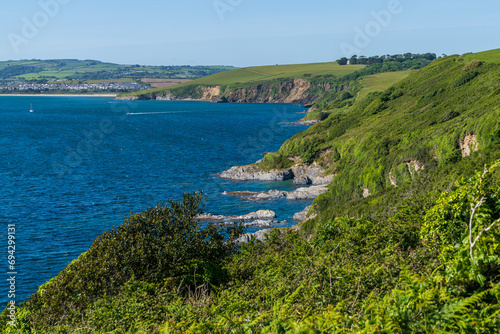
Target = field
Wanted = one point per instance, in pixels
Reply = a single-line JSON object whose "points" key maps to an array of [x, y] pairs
{"points": [[72, 69], [381, 81], [492, 56], [244, 75], [267, 73], [162, 83]]}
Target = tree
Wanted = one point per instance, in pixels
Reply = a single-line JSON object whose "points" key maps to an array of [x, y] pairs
{"points": [[342, 61]]}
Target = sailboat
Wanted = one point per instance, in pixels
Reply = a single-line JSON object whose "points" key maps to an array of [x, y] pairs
{"points": [[31, 107]]}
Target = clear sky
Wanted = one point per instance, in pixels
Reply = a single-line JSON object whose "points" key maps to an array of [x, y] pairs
{"points": [[242, 32]]}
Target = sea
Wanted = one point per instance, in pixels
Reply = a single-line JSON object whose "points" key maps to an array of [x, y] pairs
{"points": [[77, 166]]}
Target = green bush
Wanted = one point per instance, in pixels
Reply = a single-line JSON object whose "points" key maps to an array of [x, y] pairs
{"points": [[465, 78], [163, 243]]}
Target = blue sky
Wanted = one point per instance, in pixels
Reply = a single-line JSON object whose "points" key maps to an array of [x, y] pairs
{"points": [[242, 32]]}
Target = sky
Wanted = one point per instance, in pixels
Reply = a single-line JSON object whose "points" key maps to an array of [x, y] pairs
{"points": [[242, 32]]}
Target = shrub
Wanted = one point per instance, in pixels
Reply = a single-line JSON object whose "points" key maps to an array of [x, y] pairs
{"points": [[161, 243], [465, 78], [472, 65]]}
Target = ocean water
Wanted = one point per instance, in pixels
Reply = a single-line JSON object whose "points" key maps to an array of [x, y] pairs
{"points": [[78, 165]]}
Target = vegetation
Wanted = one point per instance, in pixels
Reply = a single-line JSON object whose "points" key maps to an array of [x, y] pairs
{"points": [[327, 81], [73, 69], [420, 253]]}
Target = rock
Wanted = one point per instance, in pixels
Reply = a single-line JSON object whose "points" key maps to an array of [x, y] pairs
{"points": [[261, 214], [301, 173], [301, 122], [321, 179], [302, 180], [468, 145], [366, 193], [302, 215], [259, 235], [264, 223], [304, 193], [254, 172]]}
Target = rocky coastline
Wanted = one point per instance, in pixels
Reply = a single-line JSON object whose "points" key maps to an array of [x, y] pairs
{"points": [[301, 174], [312, 176]]}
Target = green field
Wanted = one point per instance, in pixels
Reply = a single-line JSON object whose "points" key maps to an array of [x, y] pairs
{"points": [[245, 75], [257, 74], [381, 81], [72, 69], [492, 56]]}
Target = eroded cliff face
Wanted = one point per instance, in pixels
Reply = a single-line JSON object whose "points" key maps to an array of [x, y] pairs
{"points": [[292, 91]]}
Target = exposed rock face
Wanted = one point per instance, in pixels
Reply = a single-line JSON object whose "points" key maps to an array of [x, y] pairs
{"points": [[414, 166], [392, 179], [302, 215], [301, 173], [259, 235], [292, 91], [253, 172], [305, 193], [300, 86], [210, 93], [366, 192], [301, 122], [259, 215], [468, 145]]}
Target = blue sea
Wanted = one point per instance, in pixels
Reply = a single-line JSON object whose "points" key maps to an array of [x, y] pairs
{"points": [[77, 166]]}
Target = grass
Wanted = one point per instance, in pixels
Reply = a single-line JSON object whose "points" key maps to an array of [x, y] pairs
{"points": [[260, 74], [381, 81], [69, 68], [492, 56]]}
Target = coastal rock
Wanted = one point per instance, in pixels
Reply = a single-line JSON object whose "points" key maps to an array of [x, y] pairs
{"points": [[259, 215], [264, 223], [301, 122], [305, 193], [302, 215], [301, 173], [259, 235], [254, 172]]}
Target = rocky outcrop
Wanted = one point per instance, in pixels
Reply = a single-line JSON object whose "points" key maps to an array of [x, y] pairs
{"points": [[259, 215], [254, 172], [305, 193], [302, 174], [468, 145], [290, 91], [301, 122], [302, 215], [259, 235], [415, 166]]}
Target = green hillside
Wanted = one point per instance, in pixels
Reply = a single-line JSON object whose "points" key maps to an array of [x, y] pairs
{"points": [[73, 69], [406, 240], [380, 82]]}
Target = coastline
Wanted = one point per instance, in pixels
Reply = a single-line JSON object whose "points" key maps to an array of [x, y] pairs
{"points": [[62, 95]]}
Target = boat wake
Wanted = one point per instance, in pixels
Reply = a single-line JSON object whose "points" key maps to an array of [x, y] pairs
{"points": [[151, 113]]}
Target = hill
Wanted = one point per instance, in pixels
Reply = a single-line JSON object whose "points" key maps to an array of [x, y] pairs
{"points": [[300, 83], [73, 69], [406, 240]]}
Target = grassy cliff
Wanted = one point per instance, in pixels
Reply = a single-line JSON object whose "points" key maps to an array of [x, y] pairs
{"points": [[301, 83], [406, 240]]}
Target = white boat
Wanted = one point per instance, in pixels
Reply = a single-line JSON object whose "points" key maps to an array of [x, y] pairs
{"points": [[31, 108]]}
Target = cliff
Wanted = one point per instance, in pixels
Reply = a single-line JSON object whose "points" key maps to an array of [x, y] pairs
{"points": [[294, 91]]}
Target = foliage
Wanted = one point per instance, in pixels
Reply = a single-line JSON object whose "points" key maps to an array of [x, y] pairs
{"points": [[421, 256], [95, 70], [163, 244]]}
